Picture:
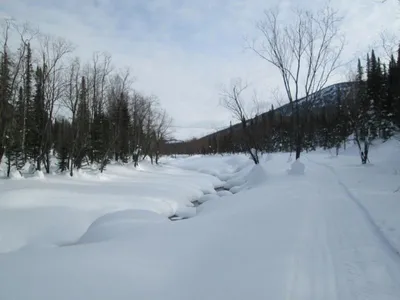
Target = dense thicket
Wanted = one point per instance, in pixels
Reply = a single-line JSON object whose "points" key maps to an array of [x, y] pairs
{"points": [[52, 105]]}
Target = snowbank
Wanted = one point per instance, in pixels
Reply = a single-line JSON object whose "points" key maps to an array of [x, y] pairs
{"points": [[167, 190], [39, 175], [224, 193], [256, 177], [297, 168], [119, 224], [208, 197], [15, 175]]}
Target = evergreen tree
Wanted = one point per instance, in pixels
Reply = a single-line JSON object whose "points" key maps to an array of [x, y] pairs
{"points": [[62, 157], [17, 146], [365, 119], [82, 126], [340, 131], [62, 131], [13, 150], [26, 100], [97, 139], [8, 155], [124, 129], [394, 90], [36, 121], [372, 100], [5, 95]]}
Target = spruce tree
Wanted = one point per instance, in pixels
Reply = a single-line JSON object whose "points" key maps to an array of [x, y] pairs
{"points": [[365, 119], [26, 100], [124, 129], [395, 89], [82, 126], [17, 146], [341, 128], [36, 121], [5, 95]]}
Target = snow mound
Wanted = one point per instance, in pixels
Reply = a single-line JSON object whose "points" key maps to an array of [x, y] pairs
{"points": [[15, 175], [119, 224], [234, 182], [224, 193], [185, 212], [39, 175], [256, 176], [236, 189], [297, 168], [208, 197]]}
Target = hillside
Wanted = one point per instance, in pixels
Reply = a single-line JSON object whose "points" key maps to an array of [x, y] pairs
{"points": [[327, 97]]}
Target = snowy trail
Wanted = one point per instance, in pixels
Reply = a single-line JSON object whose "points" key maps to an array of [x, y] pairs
{"points": [[338, 239], [374, 227], [311, 273]]}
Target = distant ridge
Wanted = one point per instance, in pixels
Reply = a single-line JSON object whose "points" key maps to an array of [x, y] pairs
{"points": [[325, 97]]}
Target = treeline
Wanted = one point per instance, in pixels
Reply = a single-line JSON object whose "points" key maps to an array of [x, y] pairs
{"points": [[53, 105], [367, 109]]}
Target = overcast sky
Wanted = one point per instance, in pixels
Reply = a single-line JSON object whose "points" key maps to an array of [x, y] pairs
{"points": [[184, 50]]}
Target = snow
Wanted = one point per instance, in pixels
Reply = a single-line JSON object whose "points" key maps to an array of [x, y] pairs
{"points": [[119, 224], [332, 233], [256, 176], [39, 174], [16, 175], [60, 200], [208, 197], [224, 193], [297, 168]]}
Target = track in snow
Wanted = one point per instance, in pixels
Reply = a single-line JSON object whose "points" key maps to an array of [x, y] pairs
{"points": [[374, 227], [345, 242]]}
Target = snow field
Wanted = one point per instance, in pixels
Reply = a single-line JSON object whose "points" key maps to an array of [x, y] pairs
{"points": [[58, 209], [330, 233]]}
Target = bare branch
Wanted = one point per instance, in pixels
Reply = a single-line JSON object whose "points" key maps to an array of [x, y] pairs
{"points": [[232, 100], [306, 51], [389, 43]]}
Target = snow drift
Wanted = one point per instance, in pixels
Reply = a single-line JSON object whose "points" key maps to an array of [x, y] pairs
{"points": [[119, 224]]}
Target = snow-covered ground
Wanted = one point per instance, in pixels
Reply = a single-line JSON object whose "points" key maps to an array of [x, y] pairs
{"points": [[260, 232]]}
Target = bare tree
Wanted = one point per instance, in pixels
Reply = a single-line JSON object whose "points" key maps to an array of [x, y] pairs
{"points": [[149, 127], [26, 35], [99, 71], [162, 129], [389, 44], [71, 102], [53, 51], [232, 100], [139, 108], [306, 52]]}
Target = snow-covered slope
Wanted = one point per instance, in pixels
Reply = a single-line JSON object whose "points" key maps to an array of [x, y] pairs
{"points": [[331, 233], [57, 209]]}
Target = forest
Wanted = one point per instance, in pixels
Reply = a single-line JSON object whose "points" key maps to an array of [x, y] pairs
{"points": [[53, 104]]}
